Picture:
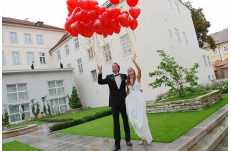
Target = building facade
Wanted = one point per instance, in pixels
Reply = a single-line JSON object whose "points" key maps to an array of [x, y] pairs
{"points": [[221, 52], [163, 25], [20, 87]]}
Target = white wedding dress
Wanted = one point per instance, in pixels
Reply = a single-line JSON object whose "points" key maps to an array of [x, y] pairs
{"points": [[136, 111]]}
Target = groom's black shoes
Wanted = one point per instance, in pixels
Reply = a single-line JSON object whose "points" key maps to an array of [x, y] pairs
{"points": [[129, 143], [116, 148]]}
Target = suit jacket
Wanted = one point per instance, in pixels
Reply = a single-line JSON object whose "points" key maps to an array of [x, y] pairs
{"points": [[116, 96]]}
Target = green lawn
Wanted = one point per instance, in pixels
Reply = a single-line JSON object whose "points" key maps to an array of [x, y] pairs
{"points": [[165, 127], [176, 98], [81, 114], [17, 146]]}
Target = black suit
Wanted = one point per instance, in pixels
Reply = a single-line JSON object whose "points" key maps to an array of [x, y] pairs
{"points": [[117, 103]]}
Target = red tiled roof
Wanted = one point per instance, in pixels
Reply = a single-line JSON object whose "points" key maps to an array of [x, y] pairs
{"points": [[222, 63], [28, 23], [214, 67], [219, 37], [64, 37], [225, 66]]}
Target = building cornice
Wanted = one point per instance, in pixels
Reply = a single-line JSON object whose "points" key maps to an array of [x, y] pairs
{"points": [[37, 70]]}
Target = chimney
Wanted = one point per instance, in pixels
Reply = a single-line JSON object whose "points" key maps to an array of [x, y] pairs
{"points": [[26, 19], [39, 23]]}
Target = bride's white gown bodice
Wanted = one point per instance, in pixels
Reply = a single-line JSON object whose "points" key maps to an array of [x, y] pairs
{"points": [[136, 110]]}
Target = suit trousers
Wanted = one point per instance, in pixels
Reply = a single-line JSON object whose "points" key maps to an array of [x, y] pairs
{"points": [[115, 113]]}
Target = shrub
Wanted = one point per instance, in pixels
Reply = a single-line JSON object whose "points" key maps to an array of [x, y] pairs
{"points": [[56, 120], [71, 123]]}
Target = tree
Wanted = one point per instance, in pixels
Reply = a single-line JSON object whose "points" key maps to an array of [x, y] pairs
{"points": [[201, 26], [74, 99], [174, 76]]}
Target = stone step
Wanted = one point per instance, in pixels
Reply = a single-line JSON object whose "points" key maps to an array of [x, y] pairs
{"points": [[213, 138], [193, 136]]}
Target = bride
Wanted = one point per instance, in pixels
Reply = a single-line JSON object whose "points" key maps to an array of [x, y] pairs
{"points": [[136, 106]]}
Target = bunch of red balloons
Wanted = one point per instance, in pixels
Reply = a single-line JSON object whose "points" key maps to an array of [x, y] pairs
{"points": [[86, 17]]}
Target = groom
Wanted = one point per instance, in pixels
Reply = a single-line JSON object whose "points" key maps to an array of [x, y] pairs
{"points": [[116, 83]]}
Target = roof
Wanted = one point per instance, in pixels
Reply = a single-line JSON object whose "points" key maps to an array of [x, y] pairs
{"points": [[64, 37], [214, 67], [225, 66], [36, 70], [28, 23], [222, 65], [219, 37]]}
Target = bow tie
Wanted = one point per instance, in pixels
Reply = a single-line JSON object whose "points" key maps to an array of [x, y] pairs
{"points": [[117, 75]]}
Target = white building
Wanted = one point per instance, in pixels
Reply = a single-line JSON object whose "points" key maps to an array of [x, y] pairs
{"points": [[25, 42], [19, 87], [163, 24]]}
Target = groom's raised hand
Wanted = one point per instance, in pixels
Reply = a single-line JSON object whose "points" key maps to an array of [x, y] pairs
{"points": [[99, 68]]}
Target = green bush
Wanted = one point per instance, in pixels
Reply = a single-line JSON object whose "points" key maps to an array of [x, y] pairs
{"points": [[85, 119], [222, 86], [56, 120]]}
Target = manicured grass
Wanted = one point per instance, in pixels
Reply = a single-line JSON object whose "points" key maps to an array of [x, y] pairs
{"points": [[23, 124], [176, 98], [18, 146], [81, 114], [165, 127]]}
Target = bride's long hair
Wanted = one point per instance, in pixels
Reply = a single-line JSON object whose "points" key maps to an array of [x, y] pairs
{"points": [[128, 78]]}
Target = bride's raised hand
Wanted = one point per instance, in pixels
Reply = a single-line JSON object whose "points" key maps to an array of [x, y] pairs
{"points": [[133, 58]]}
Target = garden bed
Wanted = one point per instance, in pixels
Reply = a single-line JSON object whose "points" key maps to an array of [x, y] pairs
{"points": [[196, 104]]}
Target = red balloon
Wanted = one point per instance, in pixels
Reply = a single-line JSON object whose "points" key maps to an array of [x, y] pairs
{"points": [[133, 24], [98, 26], [134, 12], [100, 9], [105, 33], [132, 3], [124, 20], [99, 32], [69, 14], [77, 27], [67, 26], [114, 2], [105, 18], [125, 12], [76, 10], [84, 4], [89, 34], [114, 25], [114, 12], [72, 3], [93, 4], [117, 31], [88, 27], [74, 34], [92, 15], [70, 9], [110, 32], [84, 15]]}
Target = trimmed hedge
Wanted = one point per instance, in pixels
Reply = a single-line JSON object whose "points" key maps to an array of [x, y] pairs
{"points": [[56, 120], [85, 119]]}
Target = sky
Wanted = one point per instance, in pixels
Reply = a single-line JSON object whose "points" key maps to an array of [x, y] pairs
{"points": [[54, 12]]}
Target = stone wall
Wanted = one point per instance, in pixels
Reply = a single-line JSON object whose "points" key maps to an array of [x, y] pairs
{"points": [[197, 104]]}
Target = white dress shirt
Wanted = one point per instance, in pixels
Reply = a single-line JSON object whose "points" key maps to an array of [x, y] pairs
{"points": [[118, 80]]}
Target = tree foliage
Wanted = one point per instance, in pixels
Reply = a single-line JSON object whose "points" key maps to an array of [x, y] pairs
{"points": [[201, 26], [176, 77], [74, 99]]}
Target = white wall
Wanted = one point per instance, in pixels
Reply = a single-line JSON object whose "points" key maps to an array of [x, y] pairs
{"points": [[37, 85], [151, 35]]}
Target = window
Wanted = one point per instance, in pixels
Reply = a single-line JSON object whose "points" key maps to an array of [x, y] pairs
{"points": [[185, 38], [209, 77], [16, 92], [177, 8], [3, 58], [55, 87], [69, 65], [205, 61], [170, 34], [80, 65], [30, 57], [39, 39], [94, 75], [42, 57], [13, 37], [16, 57], [107, 53], [215, 52], [58, 105], [76, 40], [90, 54], [209, 61], [177, 35], [27, 38], [226, 49], [19, 112], [59, 55], [67, 49], [126, 43], [169, 4]]}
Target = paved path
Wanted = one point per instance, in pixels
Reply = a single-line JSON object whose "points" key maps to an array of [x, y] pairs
{"points": [[45, 140]]}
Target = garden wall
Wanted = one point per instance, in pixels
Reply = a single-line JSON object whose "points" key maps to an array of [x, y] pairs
{"points": [[197, 104]]}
